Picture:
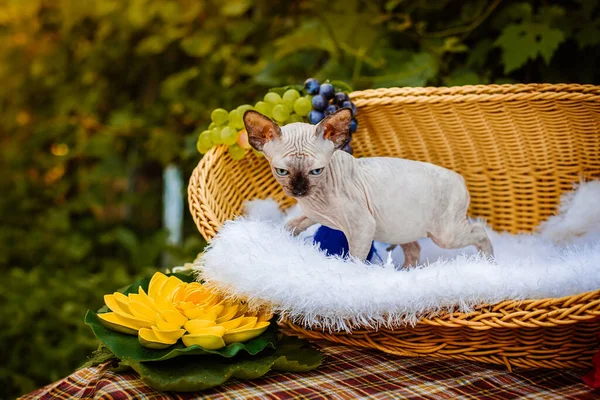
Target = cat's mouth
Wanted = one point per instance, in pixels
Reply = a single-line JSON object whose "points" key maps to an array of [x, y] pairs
{"points": [[300, 194], [296, 192]]}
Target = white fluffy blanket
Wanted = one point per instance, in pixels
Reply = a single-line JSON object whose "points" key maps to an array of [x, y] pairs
{"points": [[254, 258]]}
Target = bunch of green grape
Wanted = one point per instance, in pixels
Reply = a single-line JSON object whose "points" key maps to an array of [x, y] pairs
{"points": [[227, 127]]}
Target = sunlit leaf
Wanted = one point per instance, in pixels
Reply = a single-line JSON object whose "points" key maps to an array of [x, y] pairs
{"points": [[234, 8], [139, 13], [120, 118], [199, 44], [192, 10], [170, 11], [73, 11], [152, 45], [105, 7]]}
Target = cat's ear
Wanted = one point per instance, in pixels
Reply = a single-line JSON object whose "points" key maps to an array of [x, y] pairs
{"points": [[336, 127], [260, 129]]}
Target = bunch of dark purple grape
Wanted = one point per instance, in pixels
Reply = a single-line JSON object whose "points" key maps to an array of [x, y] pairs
{"points": [[325, 101]]}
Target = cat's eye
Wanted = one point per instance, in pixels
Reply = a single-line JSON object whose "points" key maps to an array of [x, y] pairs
{"points": [[316, 171], [282, 172]]}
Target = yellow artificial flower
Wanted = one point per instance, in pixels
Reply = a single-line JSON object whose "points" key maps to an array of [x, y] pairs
{"points": [[173, 310]]}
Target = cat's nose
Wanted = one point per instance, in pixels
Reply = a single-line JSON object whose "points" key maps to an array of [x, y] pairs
{"points": [[299, 185]]}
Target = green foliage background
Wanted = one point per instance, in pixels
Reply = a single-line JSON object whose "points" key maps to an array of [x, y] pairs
{"points": [[96, 97]]}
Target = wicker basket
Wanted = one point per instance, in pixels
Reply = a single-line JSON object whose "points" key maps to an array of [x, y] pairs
{"points": [[518, 147]]}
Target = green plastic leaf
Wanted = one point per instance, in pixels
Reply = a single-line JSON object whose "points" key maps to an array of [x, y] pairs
{"points": [[127, 347], [527, 41], [296, 355], [99, 356], [194, 374]]}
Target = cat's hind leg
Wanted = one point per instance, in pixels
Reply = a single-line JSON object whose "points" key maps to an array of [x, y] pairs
{"points": [[463, 234], [412, 253]]}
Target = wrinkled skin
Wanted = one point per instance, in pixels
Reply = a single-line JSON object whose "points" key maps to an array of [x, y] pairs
{"points": [[390, 200]]}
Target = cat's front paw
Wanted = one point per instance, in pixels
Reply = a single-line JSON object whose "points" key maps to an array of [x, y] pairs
{"points": [[292, 227], [299, 225]]}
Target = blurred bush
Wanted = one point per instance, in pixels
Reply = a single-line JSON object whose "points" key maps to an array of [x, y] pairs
{"points": [[97, 97]]}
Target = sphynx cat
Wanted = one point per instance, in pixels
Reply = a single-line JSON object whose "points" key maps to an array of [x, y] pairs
{"points": [[390, 200]]}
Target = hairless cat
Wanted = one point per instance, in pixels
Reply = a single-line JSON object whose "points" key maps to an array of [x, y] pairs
{"points": [[390, 200]]}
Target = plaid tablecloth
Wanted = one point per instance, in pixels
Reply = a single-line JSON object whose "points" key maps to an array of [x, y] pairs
{"points": [[347, 373]]}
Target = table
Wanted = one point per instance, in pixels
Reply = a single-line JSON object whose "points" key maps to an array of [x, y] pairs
{"points": [[347, 373]]}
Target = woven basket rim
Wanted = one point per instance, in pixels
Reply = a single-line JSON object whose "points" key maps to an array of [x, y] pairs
{"points": [[477, 93], [503, 314], [479, 89]]}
